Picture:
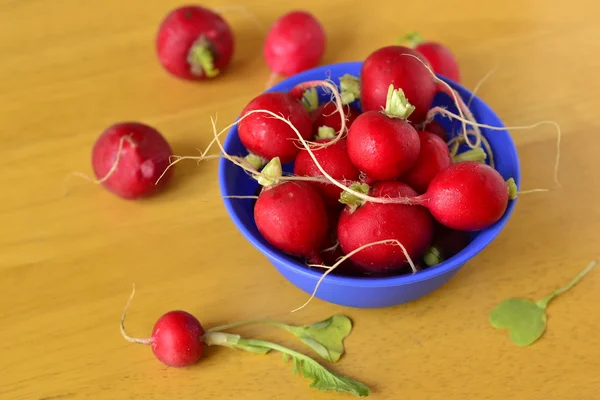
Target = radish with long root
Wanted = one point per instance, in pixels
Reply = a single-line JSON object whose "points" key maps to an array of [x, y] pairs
{"points": [[179, 340], [441, 59], [365, 222], [291, 216], [128, 158], [266, 137], [382, 144], [194, 43], [295, 42]]}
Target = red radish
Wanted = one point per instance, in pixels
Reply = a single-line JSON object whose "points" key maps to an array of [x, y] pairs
{"points": [[177, 339], [440, 58], [291, 216], [437, 129], [382, 144], [327, 115], [129, 157], [334, 159], [295, 42], [411, 225], [468, 196], [194, 43], [405, 68], [433, 158], [267, 137]]}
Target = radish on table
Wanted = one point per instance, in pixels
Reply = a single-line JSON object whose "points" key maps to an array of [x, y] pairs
{"points": [[194, 43], [296, 42], [129, 157], [178, 340]]}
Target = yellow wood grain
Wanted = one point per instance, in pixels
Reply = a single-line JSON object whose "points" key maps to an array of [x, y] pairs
{"points": [[70, 68]]}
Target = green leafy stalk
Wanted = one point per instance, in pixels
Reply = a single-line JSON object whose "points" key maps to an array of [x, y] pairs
{"points": [[525, 319], [256, 161], [352, 200], [201, 59], [477, 154], [411, 39], [397, 104], [325, 132], [543, 303], [326, 337], [271, 173], [310, 99], [349, 88], [512, 189], [432, 256]]}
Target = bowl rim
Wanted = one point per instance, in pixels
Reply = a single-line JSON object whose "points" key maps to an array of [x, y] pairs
{"points": [[284, 261]]}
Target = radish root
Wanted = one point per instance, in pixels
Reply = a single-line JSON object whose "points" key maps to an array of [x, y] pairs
{"points": [[123, 331], [350, 254], [113, 168], [460, 105], [443, 111], [479, 84]]}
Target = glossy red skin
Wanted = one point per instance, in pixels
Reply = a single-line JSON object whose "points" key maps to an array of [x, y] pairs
{"points": [[441, 59], [437, 129], [143, 159], [383, 148], [268, 137], [292, 217], [181, 28], [467, 196], [433, 158], [335, 161], [411, 225], [296, 42], [387, 66], [327, 115], [177, 339]]}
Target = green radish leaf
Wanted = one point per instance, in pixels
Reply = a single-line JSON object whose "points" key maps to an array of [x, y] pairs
{"points": [[526, 320], [326, 338], [322, 379]]}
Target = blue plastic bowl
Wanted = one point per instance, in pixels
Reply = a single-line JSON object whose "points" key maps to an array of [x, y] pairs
{"points": [[358, 291]]}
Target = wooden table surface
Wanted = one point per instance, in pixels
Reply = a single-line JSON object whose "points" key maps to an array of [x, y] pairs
{"points": [[69, 69]]}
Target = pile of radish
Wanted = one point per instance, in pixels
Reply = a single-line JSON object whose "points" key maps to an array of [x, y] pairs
{"points": [[377, 173]]}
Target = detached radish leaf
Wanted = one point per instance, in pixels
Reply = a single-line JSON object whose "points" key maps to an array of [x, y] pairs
{"points": [[325, 337], [322, 379], [526, 319]]}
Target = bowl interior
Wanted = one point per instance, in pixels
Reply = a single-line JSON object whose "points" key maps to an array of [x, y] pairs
{"points": [[234, 181]]}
